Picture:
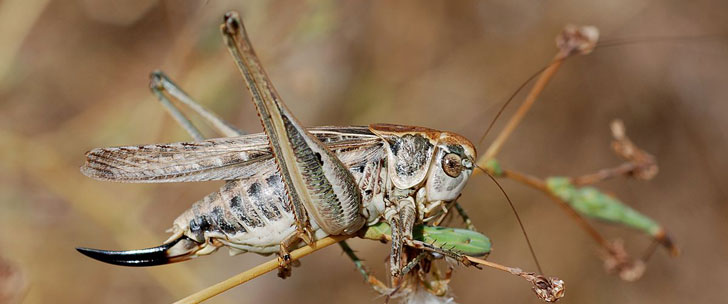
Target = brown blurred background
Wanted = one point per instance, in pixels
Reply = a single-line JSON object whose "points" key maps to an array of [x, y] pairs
{"points": [[73, 76]]}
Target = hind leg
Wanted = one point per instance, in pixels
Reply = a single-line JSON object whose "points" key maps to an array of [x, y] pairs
{"points": [[162, 87], [319, 185]]}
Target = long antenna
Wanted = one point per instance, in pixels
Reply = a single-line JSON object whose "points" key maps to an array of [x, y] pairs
{"points": [[520, 223], [654, 39], [513, 96]]}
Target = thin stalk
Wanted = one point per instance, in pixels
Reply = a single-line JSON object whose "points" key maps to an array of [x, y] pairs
{"points": [[536, 90], [259, 270], [604, 174], [508, 269], [526, 179], [549, 289], [650, 250]]}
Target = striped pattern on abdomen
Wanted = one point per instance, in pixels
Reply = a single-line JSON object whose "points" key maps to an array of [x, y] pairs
{"points": [[254, 214], [251, 213]]}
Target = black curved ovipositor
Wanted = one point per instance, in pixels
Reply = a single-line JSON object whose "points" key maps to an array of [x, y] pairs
{"points": [[140, 257]]}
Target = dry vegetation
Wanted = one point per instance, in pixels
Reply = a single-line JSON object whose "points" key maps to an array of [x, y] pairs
{"points": [[73, 76]]}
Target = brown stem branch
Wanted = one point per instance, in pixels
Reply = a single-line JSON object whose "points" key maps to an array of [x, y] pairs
{"points": [[536, 90], [257, 271], [526, 179], [604, 174], [572, 40], [549, 289]]}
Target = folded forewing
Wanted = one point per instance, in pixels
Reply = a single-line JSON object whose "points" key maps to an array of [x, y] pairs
{"points": [[214, 159]]}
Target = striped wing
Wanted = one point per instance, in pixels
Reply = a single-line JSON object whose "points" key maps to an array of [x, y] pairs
{"points": [[215, 159]]}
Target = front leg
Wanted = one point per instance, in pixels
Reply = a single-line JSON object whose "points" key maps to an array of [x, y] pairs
{"points": [[461, 211], [318, 184], [401, 217], [464, 215]]}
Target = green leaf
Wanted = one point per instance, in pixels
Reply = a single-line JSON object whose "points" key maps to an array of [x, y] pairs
{"points": [[463, 241], [593, 203], [494, 167]]}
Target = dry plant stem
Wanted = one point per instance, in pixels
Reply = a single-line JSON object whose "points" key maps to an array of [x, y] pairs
{"points": [[548, 289], [273, 264], [536, 90], [650, 250], [511, 270], [529, 180], [257, 271], [537, 183], [623, 169]]}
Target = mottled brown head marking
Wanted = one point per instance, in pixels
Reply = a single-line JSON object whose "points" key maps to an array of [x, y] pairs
{"points": [[409, 151], [449, 138]]}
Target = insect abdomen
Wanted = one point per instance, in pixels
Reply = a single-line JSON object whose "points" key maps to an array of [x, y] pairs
{"points": [[249, 215]]}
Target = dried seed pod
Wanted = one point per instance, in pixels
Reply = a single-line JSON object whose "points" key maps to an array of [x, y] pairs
{"points": [[548, 289], [617, 261], [645, 164], [577, 39]]}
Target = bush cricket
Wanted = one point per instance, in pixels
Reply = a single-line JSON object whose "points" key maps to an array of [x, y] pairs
{"points": [[291, 184]]}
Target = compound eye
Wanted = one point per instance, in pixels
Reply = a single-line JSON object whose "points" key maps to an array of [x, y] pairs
{"points": [[452, 164]]}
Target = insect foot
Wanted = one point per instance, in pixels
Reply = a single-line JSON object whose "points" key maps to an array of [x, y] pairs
{"points": [[284, 266]]}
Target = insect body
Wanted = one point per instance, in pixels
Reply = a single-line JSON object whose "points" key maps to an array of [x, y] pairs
{"points": [[289, 183], [249, 212], [292, 184]]}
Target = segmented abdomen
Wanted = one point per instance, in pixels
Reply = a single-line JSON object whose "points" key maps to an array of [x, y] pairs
{"points": [[252, 214]]}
